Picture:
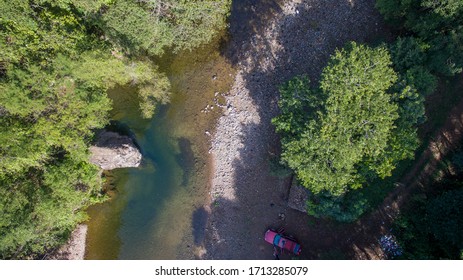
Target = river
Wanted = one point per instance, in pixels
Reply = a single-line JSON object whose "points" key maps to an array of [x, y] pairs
{"points": [[159, 210]]}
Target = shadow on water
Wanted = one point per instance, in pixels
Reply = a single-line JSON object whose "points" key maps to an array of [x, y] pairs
{"points": [[199, 224], [141, 194], [106, 217], [185, 159]]}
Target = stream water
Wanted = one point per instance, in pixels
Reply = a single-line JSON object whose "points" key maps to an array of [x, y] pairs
{"points": [[157, 211]]}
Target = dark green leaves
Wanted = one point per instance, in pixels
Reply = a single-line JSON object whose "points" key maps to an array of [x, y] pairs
{"points": [[348, 132], [154, 25], [434, 29], [326, 140]]}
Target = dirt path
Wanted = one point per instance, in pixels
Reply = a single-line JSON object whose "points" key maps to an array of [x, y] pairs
{"points": [[419, 176], [272, 41]]}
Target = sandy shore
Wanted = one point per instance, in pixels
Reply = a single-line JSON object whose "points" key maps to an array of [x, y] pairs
{"points": [[74, 249], [271, 41]]}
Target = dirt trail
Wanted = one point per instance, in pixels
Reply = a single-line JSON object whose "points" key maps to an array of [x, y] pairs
{"points": [[419, 176]]}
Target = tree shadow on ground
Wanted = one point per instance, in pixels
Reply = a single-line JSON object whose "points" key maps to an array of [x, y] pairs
{"points": [[299, 42]]}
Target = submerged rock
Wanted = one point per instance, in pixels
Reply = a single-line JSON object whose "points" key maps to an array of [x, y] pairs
{"points": [[113, 150], [297, 199]]}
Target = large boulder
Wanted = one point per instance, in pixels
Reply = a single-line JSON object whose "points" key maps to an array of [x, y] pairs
{"points": [[113, 150], [297, 199]]}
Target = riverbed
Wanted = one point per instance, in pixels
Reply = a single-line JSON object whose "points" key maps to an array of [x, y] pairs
{"points": [[159, 210]]}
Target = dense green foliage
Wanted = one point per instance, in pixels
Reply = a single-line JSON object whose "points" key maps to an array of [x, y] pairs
{"points": [[335, 145], [152, 25], [432, 226], [55, 69], [433, 30], [351, 130], [343, 208], [430, 47]]}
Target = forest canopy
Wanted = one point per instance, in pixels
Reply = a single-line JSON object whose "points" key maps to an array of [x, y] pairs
{"points": [[152, 25], [57, 60], [436, 29]]}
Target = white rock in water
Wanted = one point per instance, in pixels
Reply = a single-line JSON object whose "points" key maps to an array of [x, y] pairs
{"points": [[113, 150]]}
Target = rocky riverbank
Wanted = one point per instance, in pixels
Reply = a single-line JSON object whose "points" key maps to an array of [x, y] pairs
{"points": [[270, 42]]}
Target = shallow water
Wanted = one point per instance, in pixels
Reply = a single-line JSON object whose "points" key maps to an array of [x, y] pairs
{"points": [[157, 211]]}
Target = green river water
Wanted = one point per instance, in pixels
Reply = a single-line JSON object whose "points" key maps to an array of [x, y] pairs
{"points": [[157, 211]]}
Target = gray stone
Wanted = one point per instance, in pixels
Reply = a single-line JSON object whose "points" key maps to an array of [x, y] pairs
{"points": [[113, 150]]}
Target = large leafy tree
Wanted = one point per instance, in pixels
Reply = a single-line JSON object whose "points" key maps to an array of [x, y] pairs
{"points": [[351, 129]]}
